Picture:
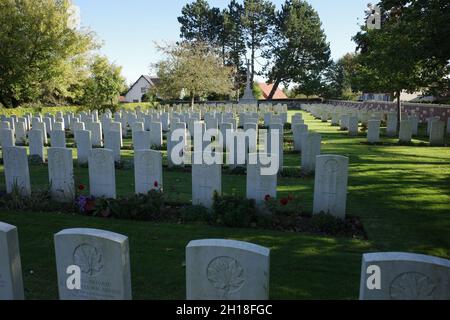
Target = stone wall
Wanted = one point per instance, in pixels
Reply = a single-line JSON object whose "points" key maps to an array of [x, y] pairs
{"points": [[423, 111]]}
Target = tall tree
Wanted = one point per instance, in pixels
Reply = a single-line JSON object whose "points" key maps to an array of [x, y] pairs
{"points": [[258, 19], [194, 68], [104, 83], [400, 56], [39, 50], [298, 51], [234, 41], [200, 22]]}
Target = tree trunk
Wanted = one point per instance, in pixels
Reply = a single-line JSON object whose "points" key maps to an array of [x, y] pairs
{"points": [[399, 109], [274, 89], [253, 66], [192, 100], [3, 102], [15, 103], [223, 54]]}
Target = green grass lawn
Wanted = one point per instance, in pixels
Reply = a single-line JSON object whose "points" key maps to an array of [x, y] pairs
{"points": [[401, 193]]}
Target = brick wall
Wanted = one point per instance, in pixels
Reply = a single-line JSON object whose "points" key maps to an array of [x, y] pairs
{"points": [[423, 111]]}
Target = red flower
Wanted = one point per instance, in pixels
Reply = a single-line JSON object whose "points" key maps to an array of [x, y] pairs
{"points": [[81, 187], [267, 197], [284, 201], [155, 184]]}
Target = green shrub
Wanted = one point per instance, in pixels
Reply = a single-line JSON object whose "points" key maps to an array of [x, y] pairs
{"points": [[326, 223], [288, 206], [233, 211], [194, 214], [138, 207]]}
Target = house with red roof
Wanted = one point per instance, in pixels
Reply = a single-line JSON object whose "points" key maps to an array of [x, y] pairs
{"points": [[266, 88]]}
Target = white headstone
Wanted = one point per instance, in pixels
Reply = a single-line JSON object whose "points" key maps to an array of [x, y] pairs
{"points": [[260, 185], [344, 121], [5, 125], [17, 174], [156, 134], [227, 270], [330, 187], [404, 276], [298, 130], [112, 142], [21, 133], [353, 126], [84, 146], [414, 125], [96, 133], [137, 126], [102, 176], [206, 179], [437, 133], [7, 138], [311, 148], [57, 126], [11, 283], [141, 140], [148, 171], [391, 123], [276, 129], [116, 126], [373, 131], [48, 125], [104, 260], [60, 172], [36, 144], [58, 139], [179, 143], [405, 134]]}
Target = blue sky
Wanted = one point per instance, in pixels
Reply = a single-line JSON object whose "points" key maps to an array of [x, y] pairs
{"points": [[129, 28]]}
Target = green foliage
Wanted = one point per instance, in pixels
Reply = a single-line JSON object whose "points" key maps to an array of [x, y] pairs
{"points": [[194, 214], [285, 206], [104, 84], [193, 68], [258, 18], [257, 92], [33, 108], [328, 224], [200, 22], [233, 211], [40, 200], [42, 55], [137, 207], [410, 51], [298, 49]]}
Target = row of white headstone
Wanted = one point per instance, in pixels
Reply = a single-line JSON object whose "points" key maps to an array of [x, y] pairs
{"points": [[349, 118], [330, 191], [95, 265], [331, 180]]}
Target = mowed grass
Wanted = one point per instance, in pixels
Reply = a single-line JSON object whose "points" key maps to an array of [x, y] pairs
{"points": [[401, 193]]}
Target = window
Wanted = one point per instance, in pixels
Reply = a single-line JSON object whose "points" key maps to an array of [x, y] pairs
{"points": [[144, 90]]}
